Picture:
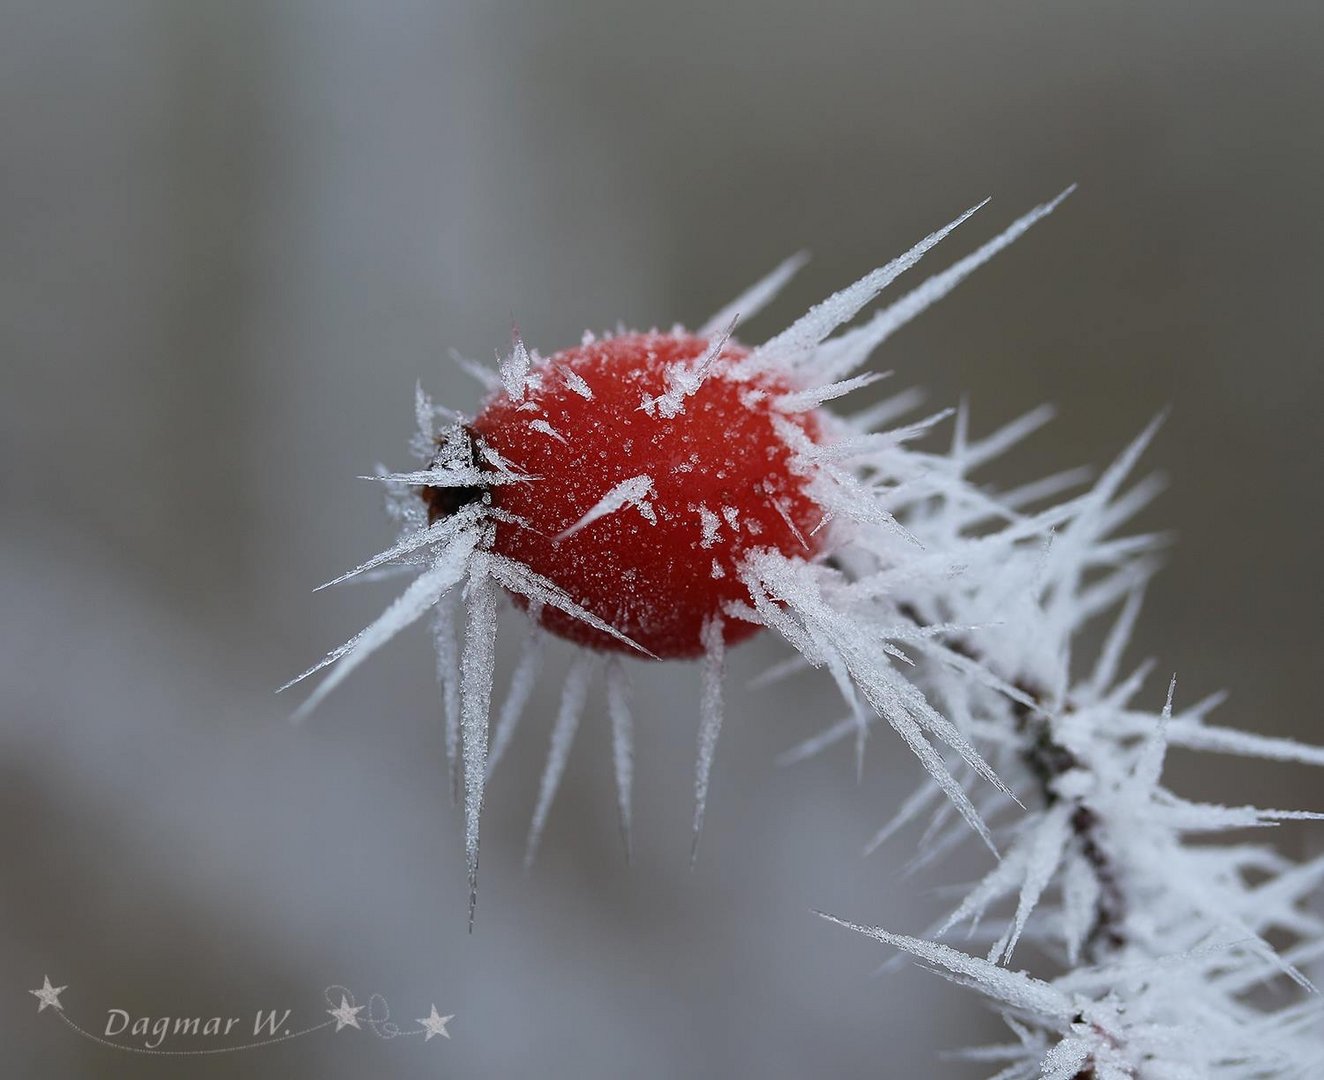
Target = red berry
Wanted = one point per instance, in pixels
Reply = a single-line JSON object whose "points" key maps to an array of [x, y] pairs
{"points": [[721, 477]]}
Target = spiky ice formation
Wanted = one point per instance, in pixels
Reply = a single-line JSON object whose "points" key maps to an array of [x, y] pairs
{"points": [[667, 495], [1161, 939]]}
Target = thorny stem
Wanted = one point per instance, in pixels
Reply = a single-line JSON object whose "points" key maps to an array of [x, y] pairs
{"points": [[1047, 759]]}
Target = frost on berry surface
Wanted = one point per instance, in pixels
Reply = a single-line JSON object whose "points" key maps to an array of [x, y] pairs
{"points": [[612, 519]]}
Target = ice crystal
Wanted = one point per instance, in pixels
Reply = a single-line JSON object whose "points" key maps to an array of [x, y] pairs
{"points": [[944, 608], [1163, 947], [921, 592], [632, 492]]}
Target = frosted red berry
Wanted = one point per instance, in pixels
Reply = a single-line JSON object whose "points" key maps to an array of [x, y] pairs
{"points": [[722, 484]]}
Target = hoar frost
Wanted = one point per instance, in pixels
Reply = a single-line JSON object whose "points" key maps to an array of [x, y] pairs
{"points": [[664, 496], [796, 527]]}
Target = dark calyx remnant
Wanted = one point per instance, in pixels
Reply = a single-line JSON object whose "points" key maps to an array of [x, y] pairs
{"points": [[445, 501]]}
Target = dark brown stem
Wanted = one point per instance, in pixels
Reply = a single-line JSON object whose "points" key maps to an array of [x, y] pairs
{"points": [[1047, 759]]}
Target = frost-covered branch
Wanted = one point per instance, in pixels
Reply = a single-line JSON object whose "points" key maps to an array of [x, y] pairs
{"points": [[663, 496], [1164, 943]]}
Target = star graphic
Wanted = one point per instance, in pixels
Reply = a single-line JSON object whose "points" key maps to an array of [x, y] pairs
{"points": [[435, 1025], [347, 1014], [50, 995]]}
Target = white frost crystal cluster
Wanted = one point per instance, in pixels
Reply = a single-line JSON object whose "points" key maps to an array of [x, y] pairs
{"points": [[836, 602], [1177, 957], [941, 607]]}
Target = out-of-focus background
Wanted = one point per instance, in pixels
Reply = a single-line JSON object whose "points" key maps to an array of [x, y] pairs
{"points": [[233, 235]]}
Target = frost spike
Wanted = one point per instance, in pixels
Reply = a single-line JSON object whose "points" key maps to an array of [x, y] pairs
{"points": [[915, 804], [448, 677], [430, 534], [576, 383], [631, 492], [710, 720], [515, 367], [783, 669], [1105, 668], [994, 885], [848, 352], [805, 400], [754, 299], [622, 744], [477, 663], [684, 380], [1019, 497], [542, 427], [816, 744], [1080, 897], [573, 697], [841, 307], [488, 378], [1116, 473], [887, 410], [1005, 437], [780, 507], [518, 578], [1015, 988], [1042, 860], [522, 681], [424, 591], [936, 767], [451, 478], [424, 413], [1195, 736], [330, 658], [1149, 766]]}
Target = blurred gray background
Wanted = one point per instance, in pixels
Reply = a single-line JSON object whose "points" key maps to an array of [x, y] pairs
{"points": [[233, 235]]}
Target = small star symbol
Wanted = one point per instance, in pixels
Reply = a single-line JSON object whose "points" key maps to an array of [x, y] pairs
{"points": [[435, 1025], [50, 995], [347, 1014]]}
